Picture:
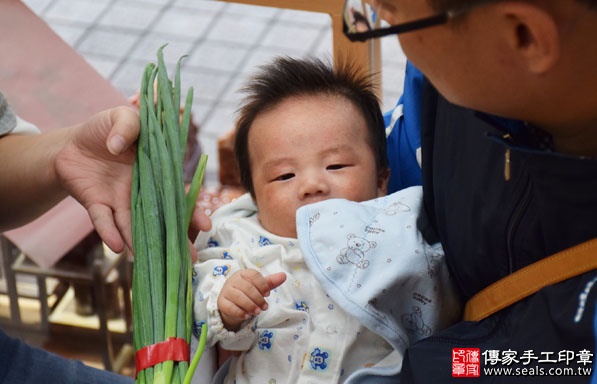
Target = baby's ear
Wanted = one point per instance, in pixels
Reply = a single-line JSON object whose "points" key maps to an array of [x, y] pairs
{"points": [[383, 179], [372, 244]]}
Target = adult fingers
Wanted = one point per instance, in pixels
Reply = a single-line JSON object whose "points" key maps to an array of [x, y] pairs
{"points": [[103, 221], [194, 253], [124, 131], [200, 221]]}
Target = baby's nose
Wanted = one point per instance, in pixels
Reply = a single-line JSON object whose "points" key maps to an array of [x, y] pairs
{"points": [[313, 185]]}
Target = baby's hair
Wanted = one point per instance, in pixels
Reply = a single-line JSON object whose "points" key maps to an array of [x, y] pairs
{"points": [[288, 77]]}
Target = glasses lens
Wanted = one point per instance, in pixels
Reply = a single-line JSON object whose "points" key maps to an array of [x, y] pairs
{"points": [[360, 17], [361, 22]]}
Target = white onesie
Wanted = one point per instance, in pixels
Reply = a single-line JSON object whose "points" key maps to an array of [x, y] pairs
{"points": [[305, 336]]}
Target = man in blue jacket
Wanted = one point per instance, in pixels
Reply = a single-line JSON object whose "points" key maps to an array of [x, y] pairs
{"points": [[500, 194]]}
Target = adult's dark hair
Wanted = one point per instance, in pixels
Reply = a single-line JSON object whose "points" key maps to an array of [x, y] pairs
{"points": [[288, 77]]}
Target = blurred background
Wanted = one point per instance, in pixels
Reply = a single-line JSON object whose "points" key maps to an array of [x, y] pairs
{"points": [[224, 41]]}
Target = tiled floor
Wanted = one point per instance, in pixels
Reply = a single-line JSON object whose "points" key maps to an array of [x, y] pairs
{"points": [[224, 42]]}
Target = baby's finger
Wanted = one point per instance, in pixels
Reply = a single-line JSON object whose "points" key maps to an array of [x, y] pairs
{"points": [[275, 280], [257, 281], [231, 312], [244, 296]]}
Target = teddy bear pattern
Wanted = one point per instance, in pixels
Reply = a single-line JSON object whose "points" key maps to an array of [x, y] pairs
{"points": [[355, 250]]}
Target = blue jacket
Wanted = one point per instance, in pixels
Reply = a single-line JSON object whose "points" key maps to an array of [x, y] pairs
{"points": [[490, 227], [403, 130]]}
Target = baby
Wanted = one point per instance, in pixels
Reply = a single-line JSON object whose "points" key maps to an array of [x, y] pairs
{"points": [[307, 134]]}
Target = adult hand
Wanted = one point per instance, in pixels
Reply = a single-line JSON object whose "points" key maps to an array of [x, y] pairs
{"points": [[95, 167], [200, 221], [243, 295]]}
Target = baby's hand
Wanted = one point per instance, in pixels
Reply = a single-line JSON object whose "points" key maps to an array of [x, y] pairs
{"points": [[243, 295]]}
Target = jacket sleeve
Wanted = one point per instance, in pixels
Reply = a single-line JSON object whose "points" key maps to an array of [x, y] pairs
{"points": [[216, 264], [403, 131], [11, 123]]}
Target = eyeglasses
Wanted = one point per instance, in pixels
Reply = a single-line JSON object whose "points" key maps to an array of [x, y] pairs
{"points": [[361, 22]]}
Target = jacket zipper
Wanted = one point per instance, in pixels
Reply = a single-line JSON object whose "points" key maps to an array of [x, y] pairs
{"points": [[507, 159], [514, 222], [520, 207]]}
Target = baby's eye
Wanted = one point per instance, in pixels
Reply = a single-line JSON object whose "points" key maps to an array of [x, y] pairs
{"points": [[335, 166], [285, 176]]}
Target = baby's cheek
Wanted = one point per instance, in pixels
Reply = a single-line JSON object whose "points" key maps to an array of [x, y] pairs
{"points": [[279, 220]]}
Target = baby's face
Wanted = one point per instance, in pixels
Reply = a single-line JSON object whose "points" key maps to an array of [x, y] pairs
{"points": [[309, 149]]}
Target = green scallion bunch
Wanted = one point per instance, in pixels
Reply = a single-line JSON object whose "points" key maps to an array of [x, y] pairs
{"points": [[161, 213]]}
